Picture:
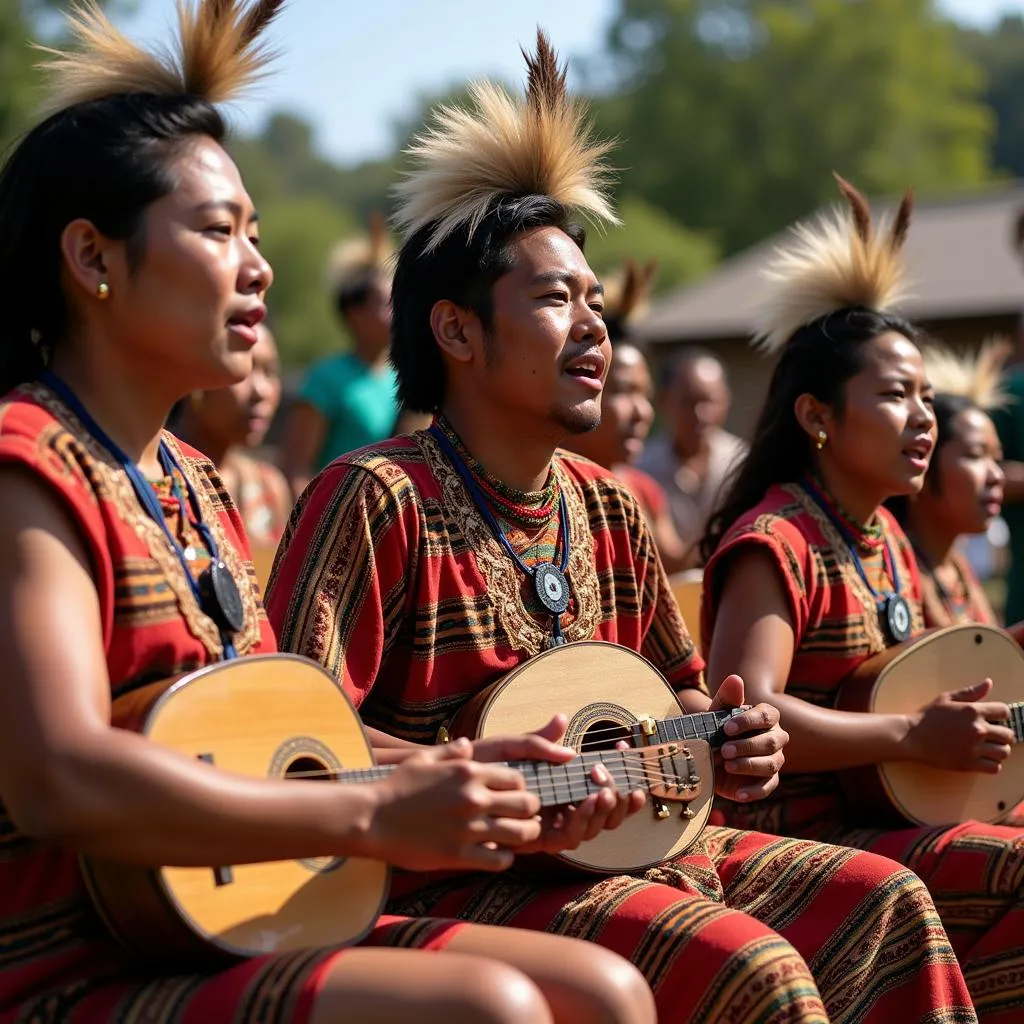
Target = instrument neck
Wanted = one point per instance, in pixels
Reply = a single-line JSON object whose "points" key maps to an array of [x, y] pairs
{"points": [[1017, 720], [703, 725], [555, 784]]}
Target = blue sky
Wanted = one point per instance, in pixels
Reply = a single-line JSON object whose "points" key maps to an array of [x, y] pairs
{"points": [[353, 67]]}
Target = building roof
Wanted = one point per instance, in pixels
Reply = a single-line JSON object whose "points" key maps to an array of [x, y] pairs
{"points": [[961, 262]]}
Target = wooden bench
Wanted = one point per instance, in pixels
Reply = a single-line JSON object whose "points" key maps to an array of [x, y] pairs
{"points": [[263, 560], [687, 588]]}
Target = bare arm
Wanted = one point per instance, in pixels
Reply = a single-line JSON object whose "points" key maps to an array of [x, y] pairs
{"points": [[68, 777], [754, 636], [303, 440]]}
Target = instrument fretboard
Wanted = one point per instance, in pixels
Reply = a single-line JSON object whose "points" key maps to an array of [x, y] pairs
{"points": [[559, 784], [702, 725], [1016, 722]]}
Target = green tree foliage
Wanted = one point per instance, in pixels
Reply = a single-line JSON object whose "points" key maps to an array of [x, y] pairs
{"points": [[1000, 54], [21, 20], [648, 233], [732, 114], [735, 112], [298, 234], [307, 204]]}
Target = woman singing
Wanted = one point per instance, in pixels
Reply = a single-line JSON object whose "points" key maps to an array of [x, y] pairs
{"points": [[131, 276], [809, 575]]}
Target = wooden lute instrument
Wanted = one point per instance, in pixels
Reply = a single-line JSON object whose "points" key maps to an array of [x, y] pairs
{"points": [[282, 716], [904, 679], [635, 704]]}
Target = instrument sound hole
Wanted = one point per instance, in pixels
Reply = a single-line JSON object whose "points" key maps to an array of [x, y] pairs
{"points": [[603, 734], [977, 638], [309, 769]]}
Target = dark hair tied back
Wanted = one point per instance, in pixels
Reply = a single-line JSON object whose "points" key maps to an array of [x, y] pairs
{"points": [[462, 270], [104, 161], [818, 360]]}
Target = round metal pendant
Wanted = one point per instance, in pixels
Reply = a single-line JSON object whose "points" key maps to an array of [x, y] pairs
{"points": [[221, 598], [552, 588], [897, 617]]}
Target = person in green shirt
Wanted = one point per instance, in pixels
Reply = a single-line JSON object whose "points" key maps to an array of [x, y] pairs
{"points": [[348, 400]]}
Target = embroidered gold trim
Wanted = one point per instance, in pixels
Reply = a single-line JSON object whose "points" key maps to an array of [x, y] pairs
{"points": [[848, 570], [504, 582], [202, 627]]}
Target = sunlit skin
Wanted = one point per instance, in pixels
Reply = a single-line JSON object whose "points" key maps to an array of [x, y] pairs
{"points": [[964, 489], [877, 446], [190, 309], [878, 443], [537, 376], [695, 405], [222, 423], [182, 319], [514, 393], [962, 495], [627, 411], [240, 414], [370, 322]]}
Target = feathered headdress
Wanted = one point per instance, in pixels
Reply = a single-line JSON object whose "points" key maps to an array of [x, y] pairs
{"points": [[840, 262], [353, 259], [976, 376], [626, 295], [505, 146], [218, 52]]}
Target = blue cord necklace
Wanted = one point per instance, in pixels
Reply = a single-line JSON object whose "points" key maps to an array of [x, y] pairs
{"points": [[893, 608], [549, 580], [215, 589]]}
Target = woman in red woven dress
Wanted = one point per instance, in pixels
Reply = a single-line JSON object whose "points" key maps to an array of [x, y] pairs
{"points": [[963, 490], [131, 275], [809, 575]]}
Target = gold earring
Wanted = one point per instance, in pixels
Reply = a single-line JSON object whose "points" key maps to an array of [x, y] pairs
{"points": [[822, 438], [103, 290]]}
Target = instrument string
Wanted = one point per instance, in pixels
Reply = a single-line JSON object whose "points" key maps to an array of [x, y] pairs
{"points": [[624, 731], [634, 755], [570, 773]]}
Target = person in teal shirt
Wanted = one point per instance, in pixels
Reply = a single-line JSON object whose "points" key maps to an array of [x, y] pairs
{"points": [[347, 400]]}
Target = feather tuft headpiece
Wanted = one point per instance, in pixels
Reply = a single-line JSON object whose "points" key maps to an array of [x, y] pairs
{"points": [[976, 376], [504, 147], [626, 293], [217, 54], [352, 259], [840, 262]]}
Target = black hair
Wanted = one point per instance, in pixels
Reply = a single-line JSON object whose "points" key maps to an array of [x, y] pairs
{"points": [[104, 161], [686, 356], [947, 408], [618, 330], [818, 360], [462, 270], [355, 290]]}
